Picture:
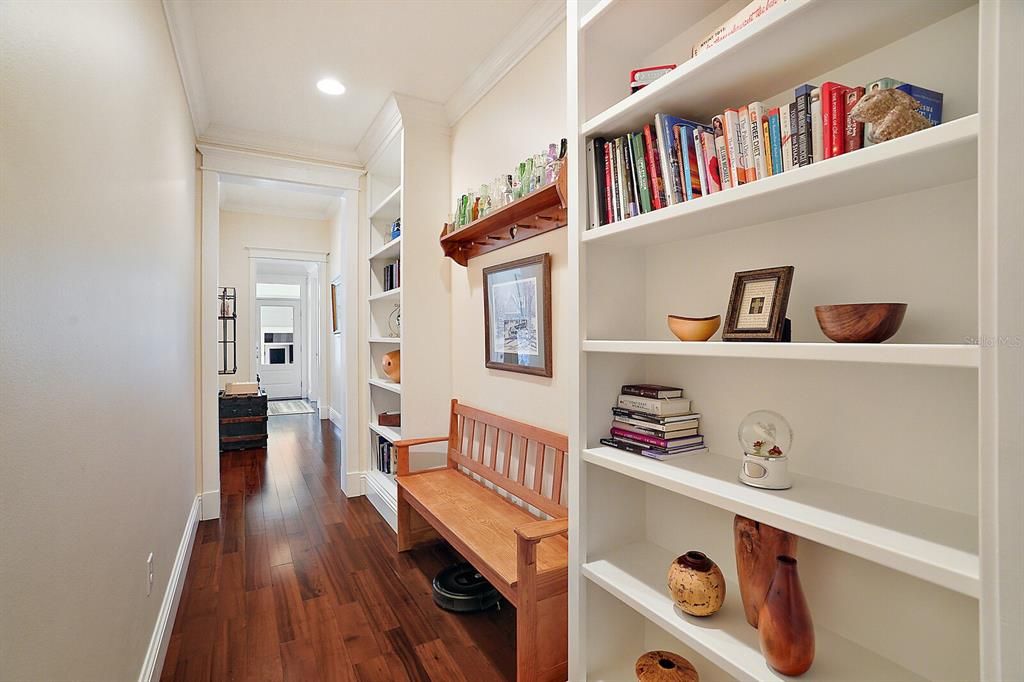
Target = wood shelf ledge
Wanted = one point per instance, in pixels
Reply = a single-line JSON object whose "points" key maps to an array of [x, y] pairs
{"points": [[540, 211]]}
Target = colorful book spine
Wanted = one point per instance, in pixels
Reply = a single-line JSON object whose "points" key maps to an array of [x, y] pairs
{"points": [[805, 152], [766, 134], [785, 122], [794, 158], [711, 165], [775, 137], [689, 170], [854, 138], [722, 151], [833, 118], [655, 391], [630, 177], [653, 407], [654, 169], [654, 440], [592, 184], [746, 170], [616, 178], [635, 448], [732, 129], [701, 167], [875, 86], [931, 101], [643, 181], [758, 149], [817, 138], [609, 202]]}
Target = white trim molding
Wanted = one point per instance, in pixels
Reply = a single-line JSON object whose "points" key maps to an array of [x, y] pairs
{"points": [[543, 17], [209, 504], [278, 145], [153, 663], [287, 254], [256, 164], [183, 40]]}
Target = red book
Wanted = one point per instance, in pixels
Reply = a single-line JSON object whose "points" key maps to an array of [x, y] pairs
{"points": [[609, 207], [657, 183], [854, 129], [833, 119], [654, 440]]}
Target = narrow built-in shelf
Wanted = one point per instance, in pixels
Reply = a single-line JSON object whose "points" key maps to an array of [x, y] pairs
{"points": [[386, 339], [635, 574], [930, 158], [538, 212], [390, 293], [390, 207], [387, 385], [389, 251], [828, 34], [929, 543], [933, 355], [384, 481], [391, 433]]}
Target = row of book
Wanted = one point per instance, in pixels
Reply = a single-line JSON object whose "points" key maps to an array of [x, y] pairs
{"points": [[392, 276], [675, 160], [387, 460], [655, 421]]}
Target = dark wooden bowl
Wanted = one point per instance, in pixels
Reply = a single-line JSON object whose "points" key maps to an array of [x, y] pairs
{"points": [[860, 322]]}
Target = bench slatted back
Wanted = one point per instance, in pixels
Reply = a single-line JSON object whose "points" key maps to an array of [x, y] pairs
{"points": [[486, 444]]}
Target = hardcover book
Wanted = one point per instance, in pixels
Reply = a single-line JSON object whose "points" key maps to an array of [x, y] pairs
{"points": [[688, 158], [785, 123], [817, 138], [609, 203], [794, 158], [758, 149], [655, 427], [854, 129], [642, 178], [767, 137], [659, 408], [698, 145], [721, 151], [654, 169], [775, 133], [622, 434], [874, 86], [737, 22], [805, 152], [652, 391], [746, 168], [625, 413], [833, 118], [651, 431], [731, 129], [931, 101], [711, 164]]}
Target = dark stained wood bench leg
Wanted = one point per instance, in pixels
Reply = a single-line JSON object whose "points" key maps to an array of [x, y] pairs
{"points": [[542, 619], [413, 530]]}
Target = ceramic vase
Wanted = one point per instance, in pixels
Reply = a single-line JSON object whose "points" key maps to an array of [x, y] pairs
{"points": [[696, 584], [757, 546], [391, 364], [665, 666], [784, 622]]}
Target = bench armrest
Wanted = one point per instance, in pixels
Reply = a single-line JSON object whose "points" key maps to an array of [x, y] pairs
{"points": [[538, 530], [402, 448]]}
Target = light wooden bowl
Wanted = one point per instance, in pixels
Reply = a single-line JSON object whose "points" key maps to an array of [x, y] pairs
{"points": [[694, 328], [860, 322]]}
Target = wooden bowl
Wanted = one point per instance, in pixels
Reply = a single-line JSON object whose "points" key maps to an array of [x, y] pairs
{"points": [[665, 666], [694, 328], [860, 322]]}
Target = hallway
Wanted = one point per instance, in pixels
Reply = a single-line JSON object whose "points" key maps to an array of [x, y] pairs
{"points": [[296, 582]]}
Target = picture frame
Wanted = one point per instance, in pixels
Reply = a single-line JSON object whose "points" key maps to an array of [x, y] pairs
{"points": [[335, 313], [757, 305], [517, 316]]}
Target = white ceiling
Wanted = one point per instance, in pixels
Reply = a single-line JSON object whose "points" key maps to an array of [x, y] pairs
{"points": [[272, 197], [250, 68]]}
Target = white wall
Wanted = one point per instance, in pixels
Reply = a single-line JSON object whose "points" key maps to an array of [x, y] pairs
{"points": [[97, 295], [238, 233], [521, 115]]}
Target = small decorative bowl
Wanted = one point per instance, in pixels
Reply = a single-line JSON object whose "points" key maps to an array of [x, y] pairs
{"points": [[694, 328], [860, 322]]}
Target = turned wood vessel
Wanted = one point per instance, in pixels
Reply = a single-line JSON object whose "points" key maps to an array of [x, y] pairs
{"points": [[694, 328], [860, 322], [757, 546], [665, 666], [785, 630], [696, 584], [391, 365]]}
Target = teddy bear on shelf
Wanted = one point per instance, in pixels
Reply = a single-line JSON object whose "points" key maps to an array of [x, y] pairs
{"points": [[892, 113]]}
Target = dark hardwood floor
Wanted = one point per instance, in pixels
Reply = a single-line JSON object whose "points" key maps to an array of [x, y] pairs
{"points": [[296, 582]]}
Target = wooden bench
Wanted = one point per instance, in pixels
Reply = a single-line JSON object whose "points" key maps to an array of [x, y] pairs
{"points": [[502, 540]]}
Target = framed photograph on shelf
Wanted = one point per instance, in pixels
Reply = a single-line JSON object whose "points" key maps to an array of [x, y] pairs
{"points": [[517, 316], [757, 305]]}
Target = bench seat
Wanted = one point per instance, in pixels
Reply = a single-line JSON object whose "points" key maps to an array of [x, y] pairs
{"points": [[478, 522]]}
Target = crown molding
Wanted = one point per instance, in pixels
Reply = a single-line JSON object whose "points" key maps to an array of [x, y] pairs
{"points": [[544, 17], [256, 164], [183, 39], [385, 125], [279, 145]]}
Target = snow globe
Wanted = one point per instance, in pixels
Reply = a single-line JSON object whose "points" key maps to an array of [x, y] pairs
{"points": [[766, 438]]}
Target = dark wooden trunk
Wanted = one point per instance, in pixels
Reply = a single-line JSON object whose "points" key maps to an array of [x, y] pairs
{"points": [[243, 422]]}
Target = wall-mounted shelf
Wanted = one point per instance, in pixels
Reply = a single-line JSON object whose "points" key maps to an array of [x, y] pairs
{"points": [[536, 213]]}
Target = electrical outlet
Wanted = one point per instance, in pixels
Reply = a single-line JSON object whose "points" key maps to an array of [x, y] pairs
{"points": [[149, 574]]}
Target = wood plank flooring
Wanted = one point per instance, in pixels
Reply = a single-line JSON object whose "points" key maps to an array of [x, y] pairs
{"points": [[296, 582]]}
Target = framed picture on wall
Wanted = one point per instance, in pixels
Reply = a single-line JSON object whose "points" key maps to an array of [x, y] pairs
{"points": [[517, 316], [757, 305], [335, 311]]}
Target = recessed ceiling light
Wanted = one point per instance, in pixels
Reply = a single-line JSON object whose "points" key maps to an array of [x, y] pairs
{"points": [[330, 86]]}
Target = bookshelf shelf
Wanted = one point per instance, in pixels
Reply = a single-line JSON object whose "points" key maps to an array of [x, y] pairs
{"points": [[390, 251], [391, 433], [386, 339], [930, 158], [932, 544], [635, 574], [931, 355], [828, 34], [538, 212], [385, 295], [386, 385], [390, 207]]}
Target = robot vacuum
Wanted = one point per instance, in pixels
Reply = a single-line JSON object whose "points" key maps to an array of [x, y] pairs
{"points": [[460, 588]]}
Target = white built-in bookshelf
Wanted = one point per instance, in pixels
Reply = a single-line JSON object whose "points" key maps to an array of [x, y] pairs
{"points": [[407, 179], [910, 534]]}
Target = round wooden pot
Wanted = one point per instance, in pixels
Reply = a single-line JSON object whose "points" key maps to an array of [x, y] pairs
{"points": [[665, 666], [696, 584], [391, 364]]}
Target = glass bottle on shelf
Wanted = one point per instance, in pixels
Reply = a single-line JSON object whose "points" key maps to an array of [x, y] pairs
{"points": [[509, 190]]}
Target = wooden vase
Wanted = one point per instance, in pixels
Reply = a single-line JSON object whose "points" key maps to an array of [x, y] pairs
{"points": [[757, 546], [665, 666], [784, 628], [696, 584], [391, 364]]}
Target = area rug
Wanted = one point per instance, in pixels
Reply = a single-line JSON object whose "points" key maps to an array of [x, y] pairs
{"points": [[278, 407]]}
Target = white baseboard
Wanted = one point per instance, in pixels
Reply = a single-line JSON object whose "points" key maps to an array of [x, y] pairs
{"points": [[335, 418], [354, 484], [153, 664], [383, 501], [210, 505], [324, 411]]}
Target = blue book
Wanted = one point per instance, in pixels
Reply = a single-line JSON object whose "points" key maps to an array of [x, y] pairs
{"points": [[931, 101], [670, 157], [689, 156], [775, 133], [803, 144]]}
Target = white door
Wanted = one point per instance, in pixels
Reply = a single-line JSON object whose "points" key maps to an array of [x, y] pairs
{"points": [[279, 348]]}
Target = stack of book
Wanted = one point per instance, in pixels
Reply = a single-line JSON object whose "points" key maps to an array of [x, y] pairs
{"points": [[655, 421], [674, 160], [387, 462], [392, 276]]}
